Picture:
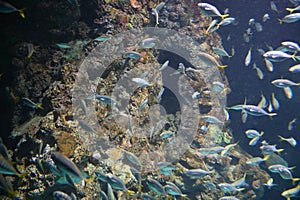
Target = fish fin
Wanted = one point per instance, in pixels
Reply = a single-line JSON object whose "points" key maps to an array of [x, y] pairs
{"points": [[223, 66], [297, 58], [261, 133], [294, 180], [21, 12], [290, 10], [272, 114], [266, 157], [224, 16]]}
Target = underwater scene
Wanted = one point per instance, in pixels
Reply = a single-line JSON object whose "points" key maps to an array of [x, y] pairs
{"points": [[149, 99]]}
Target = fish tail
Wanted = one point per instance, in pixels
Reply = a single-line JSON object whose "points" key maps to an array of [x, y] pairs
{"points": [[280, 21], [40, 106], [296, 58], [281, 138], [261, 133], [280, 150], [294, 180], [222, 66], [290, 10], [224, 16], [21, 12], [272, 114]]}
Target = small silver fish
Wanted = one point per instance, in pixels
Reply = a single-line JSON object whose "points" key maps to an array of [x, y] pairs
{"points": [[211, 119], [254, 141], [291, 45], [292, 124], [255, 161], [256, 111], [270, 183], [290, 140], [288, 92], [258, 27], [248, 58], [221, 52], [147, 43], [278, 56], [273, 6], [295, 68], [275, 102], [282, 83], [166, 64], [294, 17], [266, 17], [227, 21], [132, 55], [141, 82], [263, 101], [196, 173], [212, 26], [211, 10], [252, 133], [292, 192], [269, 65]]}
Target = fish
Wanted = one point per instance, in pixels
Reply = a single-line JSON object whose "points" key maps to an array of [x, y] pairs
{"points": [[276, 168], [263, 101], [266, 17], [248, 58], [103, 196], [85, 126], [275, 102], [146, 196], [290, 140], [270, 107], [255, 161], [218, 86], [156, 10], [227, 148], [258, 27], [143, 105], [7, 168], [8, 8], [155, 186], [147, 43], [212, 26], [288, 92], [65, 165], [252, 133], [196, 173], [260, 51], [63, 46], [166, 64], [211, 10], [254, 141], [132, 158], [240, 182], [269, 65], [257, 111], [270, 183], [291, 10], [161, 92], [259, 72], [228, 198], [291, 45], [244, 116], [292, 192], [273, 6], [227, 21], [221, 52], [267, 149], [291, 124], [27, 102], [282, 83], [173, 190], [211, 119], [142, 82], [294, 17], [101, 38], [278, 56], [167, 134], [295, 68], [105, 99], [251, 22], [59, 195], [115, 182], [30, 50], [229, 188], [110, 192], [210, 150], [133, 55]]}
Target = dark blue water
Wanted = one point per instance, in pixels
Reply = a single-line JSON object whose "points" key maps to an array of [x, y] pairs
{"points": [[245, 83]]}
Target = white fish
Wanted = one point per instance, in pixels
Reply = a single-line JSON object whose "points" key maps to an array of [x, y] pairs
{"points": [[282, 83], [252, 133], [263, 102], [211, 10], [221, 52], [295, 68], [246, 37], [294, 17], [248, 58], [275, 102], [244, 116], [254, 141], [270, 107], [227, 21], [259, 72], [292, 192], [291, 45], [288, 92], [269, 65], [273, 6], [212, 26], [261, 51], [278, 56], [292, 124], [147, 43], [30, 49], [258, 27], [291, 10], [251, 22], [266, 17], [269, 183], [290, 140], [166, 64], [141, 82]]}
